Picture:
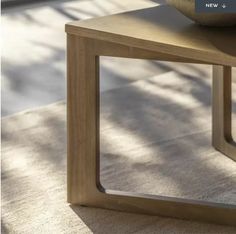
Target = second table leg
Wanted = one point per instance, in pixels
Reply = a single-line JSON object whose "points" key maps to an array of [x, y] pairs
{"points": [[222, 138]]}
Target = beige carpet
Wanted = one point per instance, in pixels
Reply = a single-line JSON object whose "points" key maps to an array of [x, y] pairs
{"points": [[155, 138]]}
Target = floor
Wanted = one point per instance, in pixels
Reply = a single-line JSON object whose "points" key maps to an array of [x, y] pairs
{"points": [[157, 141], [33, 57]]}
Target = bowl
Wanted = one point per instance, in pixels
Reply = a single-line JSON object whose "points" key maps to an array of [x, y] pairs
{"points": [[187, 7]]}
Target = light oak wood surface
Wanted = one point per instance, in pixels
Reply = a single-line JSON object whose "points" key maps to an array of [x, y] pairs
{"points": [[143, 34], [162, 29]]}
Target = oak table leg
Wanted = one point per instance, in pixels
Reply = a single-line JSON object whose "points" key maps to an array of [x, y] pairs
{"points": [[222, 138], [83, 182], [82, 119]]}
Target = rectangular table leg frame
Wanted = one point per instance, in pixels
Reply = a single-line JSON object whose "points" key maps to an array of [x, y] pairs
{"points": [[84, 186]]}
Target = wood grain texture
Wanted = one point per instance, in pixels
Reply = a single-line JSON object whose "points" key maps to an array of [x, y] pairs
{"points": [[146, 34], [162, 29], [222, 138], [82, 119], [105, 48], [84, 186]]}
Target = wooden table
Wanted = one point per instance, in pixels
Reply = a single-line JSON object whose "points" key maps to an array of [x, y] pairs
{"points": [[159, 33]]}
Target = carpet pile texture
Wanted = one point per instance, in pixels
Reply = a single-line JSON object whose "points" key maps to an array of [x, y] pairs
{"points": [[155, 138]]}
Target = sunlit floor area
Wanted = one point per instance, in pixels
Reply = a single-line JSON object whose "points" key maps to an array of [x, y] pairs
{"points": [[155, 123], [33, 55]]}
